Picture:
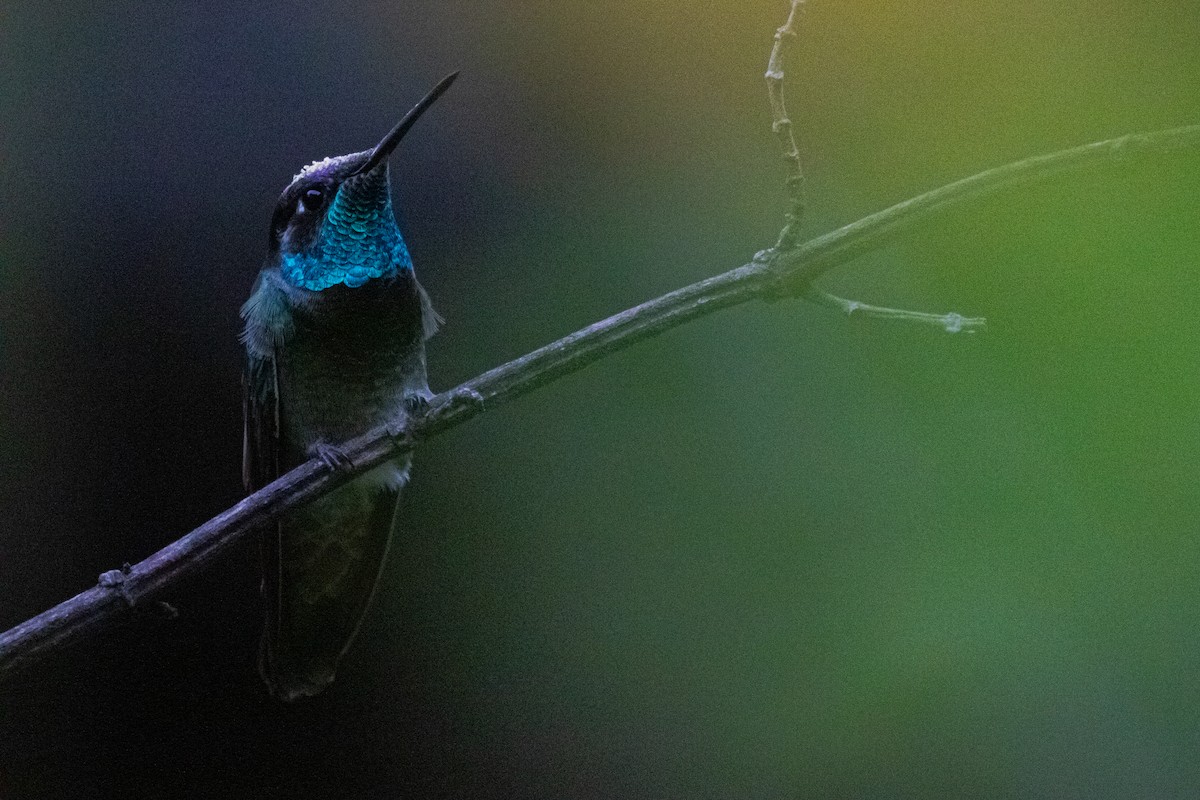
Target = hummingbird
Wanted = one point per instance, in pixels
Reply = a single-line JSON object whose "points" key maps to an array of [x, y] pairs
{"points": [[335, 332]]}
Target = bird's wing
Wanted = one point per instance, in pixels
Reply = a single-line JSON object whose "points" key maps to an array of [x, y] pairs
{"points": [[320, 564], [261, 423], [262, 459]]}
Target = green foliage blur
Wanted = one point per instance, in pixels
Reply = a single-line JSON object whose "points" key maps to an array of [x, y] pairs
{"points": [[777, 552]]}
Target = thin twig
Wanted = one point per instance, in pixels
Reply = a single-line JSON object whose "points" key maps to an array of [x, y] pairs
{"points": [[951, 322], [771, 275], [781, 124]]}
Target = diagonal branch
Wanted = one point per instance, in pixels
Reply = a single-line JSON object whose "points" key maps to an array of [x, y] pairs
{"points": [[772, 274]]}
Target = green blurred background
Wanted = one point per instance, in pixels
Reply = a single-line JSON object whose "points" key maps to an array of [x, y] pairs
{"points": [[775, 553]]}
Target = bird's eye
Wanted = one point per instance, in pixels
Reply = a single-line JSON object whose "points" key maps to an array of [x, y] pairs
{"points": [[311, 200]]}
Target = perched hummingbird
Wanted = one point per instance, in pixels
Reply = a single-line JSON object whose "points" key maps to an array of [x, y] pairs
{"points": [[335, 332]]}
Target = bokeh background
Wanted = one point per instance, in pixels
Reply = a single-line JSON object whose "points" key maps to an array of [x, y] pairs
{"points": [[776, 553]]}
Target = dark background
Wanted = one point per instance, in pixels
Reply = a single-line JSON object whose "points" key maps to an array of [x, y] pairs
{"points": [[776, 553]]}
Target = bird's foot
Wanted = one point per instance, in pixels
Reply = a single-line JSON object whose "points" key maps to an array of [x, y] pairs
{"points": [[331, 457], [415, 404]]}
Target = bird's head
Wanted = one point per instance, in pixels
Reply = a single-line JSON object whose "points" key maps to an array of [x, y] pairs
{"points": [[334, 222]]}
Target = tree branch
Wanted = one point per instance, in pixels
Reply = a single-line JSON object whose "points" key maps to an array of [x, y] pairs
{"points": [[772, 274]]}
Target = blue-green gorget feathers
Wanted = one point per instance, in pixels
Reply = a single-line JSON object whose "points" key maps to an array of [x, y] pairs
{"points": [[358, 240]]}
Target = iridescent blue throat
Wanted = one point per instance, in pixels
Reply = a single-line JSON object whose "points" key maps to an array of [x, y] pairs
{"points": [[358, 241]]}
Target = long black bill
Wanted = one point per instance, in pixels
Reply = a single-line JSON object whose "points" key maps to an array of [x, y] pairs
{"points": [[385, 148]]}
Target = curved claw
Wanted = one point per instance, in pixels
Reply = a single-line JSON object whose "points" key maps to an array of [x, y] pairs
{"points": [[415, 404], [331, 457]]}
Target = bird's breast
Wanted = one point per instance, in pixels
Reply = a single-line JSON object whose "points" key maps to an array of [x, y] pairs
{"points": [[353, 357]]}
